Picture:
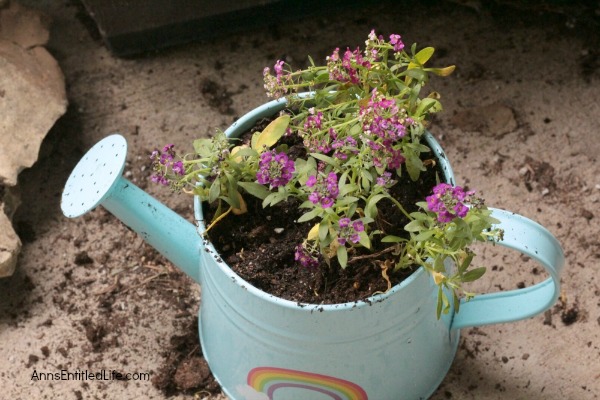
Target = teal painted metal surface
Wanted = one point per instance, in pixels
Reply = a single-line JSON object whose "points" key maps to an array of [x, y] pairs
{"points": [[261, 347]]}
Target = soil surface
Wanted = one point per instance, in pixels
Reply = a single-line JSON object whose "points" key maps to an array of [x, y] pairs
{"points": [[520, 125], [260, 245]]}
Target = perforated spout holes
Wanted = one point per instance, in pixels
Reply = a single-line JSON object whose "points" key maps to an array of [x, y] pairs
{"points": [[94, 176]]}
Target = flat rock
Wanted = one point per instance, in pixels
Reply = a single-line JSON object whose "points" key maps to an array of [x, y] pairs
{"points": [[32, 98], [490, 120], [26, 27], [10, 245]]}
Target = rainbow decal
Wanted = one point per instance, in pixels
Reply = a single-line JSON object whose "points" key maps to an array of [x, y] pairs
{"points": [[269, 379]]}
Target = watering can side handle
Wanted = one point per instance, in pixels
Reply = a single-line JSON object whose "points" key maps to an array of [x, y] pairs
{"points": [[535, 241]]}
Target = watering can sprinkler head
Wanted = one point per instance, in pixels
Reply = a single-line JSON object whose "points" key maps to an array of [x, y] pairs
{"points": [[94, 176], [97, 180]]}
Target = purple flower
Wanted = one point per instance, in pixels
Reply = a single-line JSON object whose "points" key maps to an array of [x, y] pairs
{"points": [[385, 179], [448, 202], [167, 155], [274, 169], [178, 168], [382, 118], [325, 191], [274, 85], [304, 257], [395, 40], [313, 120], [278, 68], [160, 178], [346, 69], [350, 230]]}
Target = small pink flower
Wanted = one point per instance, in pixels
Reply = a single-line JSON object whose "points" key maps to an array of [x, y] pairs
{"points": [[397, 42]]}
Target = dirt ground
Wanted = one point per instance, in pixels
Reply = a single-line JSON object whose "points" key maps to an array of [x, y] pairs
{"points": [[521, 125]]}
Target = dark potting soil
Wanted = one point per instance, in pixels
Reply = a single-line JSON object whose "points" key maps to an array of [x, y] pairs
{"points": [[259, 245]]}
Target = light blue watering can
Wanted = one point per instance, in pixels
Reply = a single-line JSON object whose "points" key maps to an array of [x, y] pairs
{"points": [[261, 347]]}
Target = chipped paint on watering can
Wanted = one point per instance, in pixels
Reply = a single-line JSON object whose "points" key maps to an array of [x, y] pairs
{"points": [[261, 347]]}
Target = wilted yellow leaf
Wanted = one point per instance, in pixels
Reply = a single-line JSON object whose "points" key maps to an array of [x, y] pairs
{"points": [[271, 134], [313, 233]]}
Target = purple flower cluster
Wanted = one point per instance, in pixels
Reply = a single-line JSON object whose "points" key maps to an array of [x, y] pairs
{"points": [[274, 169], [385, 179], [313, 121], [382, 118], [325, 191], [305, 257], [346, 68], [397, 42], [449, 202], [374, 41], [384, 125], [274, 85], [343, 147], [311, 127], [161, 161], [350, 230]]}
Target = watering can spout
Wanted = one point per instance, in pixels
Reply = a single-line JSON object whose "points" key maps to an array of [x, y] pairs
{"points": [[97, 180]]}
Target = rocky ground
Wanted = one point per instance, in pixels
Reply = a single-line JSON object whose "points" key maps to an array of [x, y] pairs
{"points": [[521, 125]]}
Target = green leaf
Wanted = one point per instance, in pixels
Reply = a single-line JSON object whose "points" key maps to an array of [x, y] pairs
{"points": [[214, 192], [243, 152], [421, 237], [271, 199], [424, 55], [456, 301], [202, 145], [371, 207], [323, 230], [346, 200], [348, 188], [428, 105], [439, 302], [414, 226], [324, 158], [414, 165], [391, 239], [473, 274], [355, 130], [364, 239], [232, 192], [342, 255], [271, 134], [466, 262], [438, 264], [417, 74], [420, 216], [255, 189], [309, 215]]}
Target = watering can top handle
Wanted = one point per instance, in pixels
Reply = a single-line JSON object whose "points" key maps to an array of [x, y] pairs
{"points": [[533, 240]]}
